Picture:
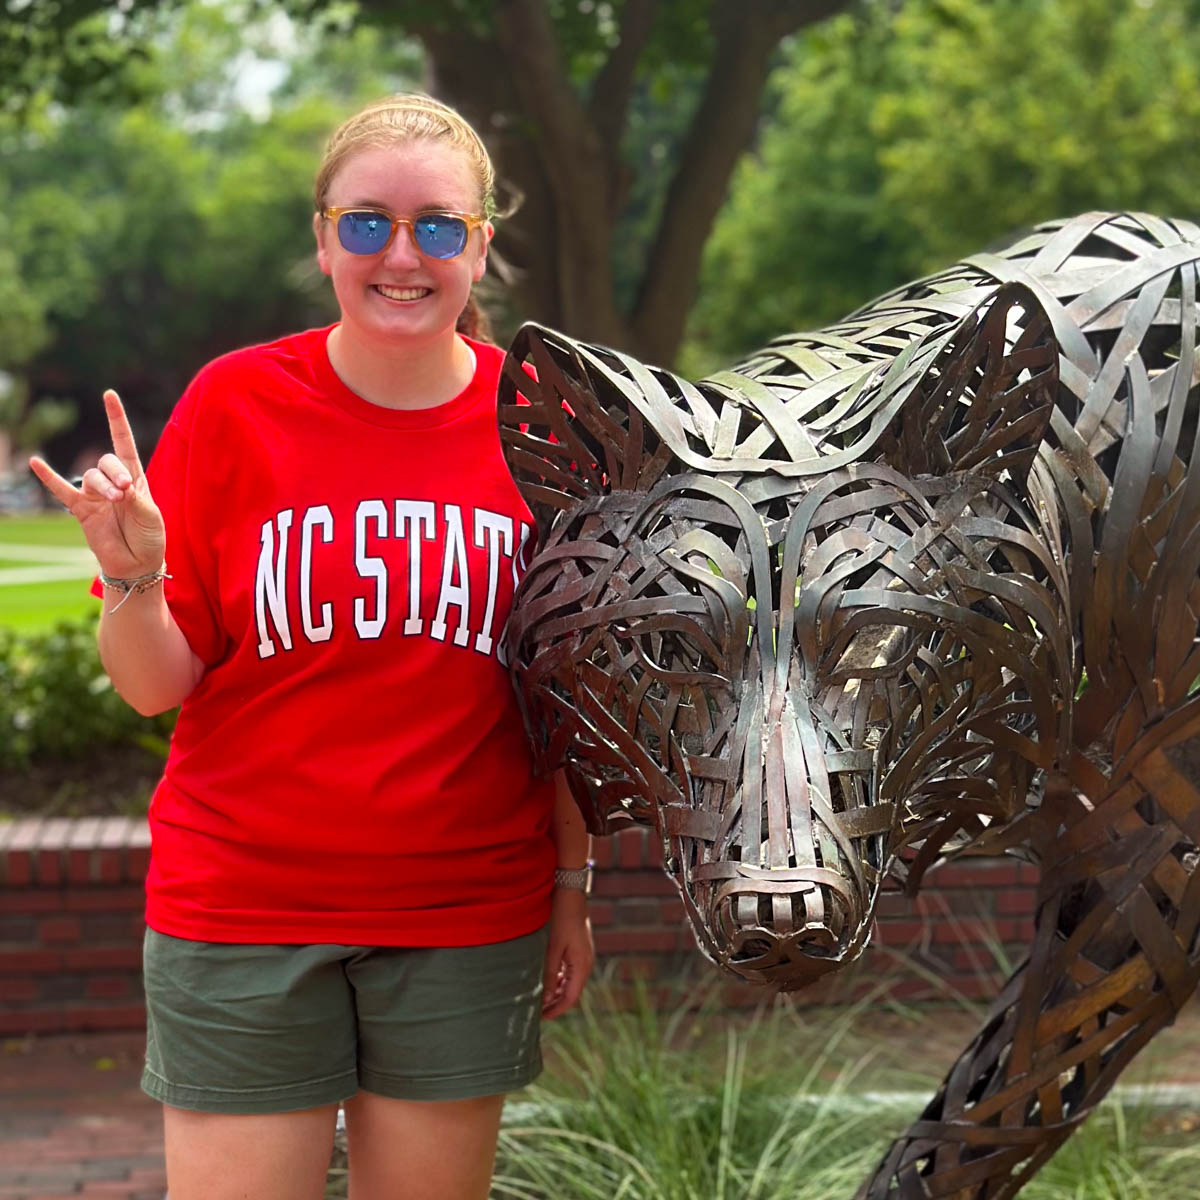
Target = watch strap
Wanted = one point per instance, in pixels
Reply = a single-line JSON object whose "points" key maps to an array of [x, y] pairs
{"points": [[579, 878]]}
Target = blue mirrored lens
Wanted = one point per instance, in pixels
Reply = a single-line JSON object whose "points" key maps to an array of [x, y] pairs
{"points": [[439, 235], [363, 232]]}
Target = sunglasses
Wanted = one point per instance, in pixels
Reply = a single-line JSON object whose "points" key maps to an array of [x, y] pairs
{"points": [[371, 230]]}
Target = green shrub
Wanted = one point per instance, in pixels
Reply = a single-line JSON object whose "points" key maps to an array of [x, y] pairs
{"points": [[56, 702]]}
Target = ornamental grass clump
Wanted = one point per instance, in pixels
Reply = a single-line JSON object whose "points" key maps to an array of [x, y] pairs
{"points": [[1126, 1151], [691, 1105], [790, 1103]]}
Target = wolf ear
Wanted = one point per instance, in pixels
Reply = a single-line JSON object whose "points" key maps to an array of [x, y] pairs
{"points": [[578, 420], [985, 402]]}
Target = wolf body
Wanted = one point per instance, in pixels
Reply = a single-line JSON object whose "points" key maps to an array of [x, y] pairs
{"points": [[919, 584]]}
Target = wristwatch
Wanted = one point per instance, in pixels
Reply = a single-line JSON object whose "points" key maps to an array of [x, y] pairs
{"points": [[579, 878]]}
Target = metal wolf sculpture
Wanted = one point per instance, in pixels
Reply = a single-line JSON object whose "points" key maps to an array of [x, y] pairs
{"points": [[920, 582]]}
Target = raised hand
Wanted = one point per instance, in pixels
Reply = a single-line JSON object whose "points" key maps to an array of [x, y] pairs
{"points": [[113, 505]]}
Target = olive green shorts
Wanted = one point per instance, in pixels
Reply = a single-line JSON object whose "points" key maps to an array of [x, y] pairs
{"points": [[264, 1029]]}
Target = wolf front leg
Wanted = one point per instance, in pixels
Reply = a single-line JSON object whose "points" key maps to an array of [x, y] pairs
{"points": [[1114, 958]]}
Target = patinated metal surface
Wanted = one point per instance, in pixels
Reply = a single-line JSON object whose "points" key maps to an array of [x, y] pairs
{"points": [[920, 583]]}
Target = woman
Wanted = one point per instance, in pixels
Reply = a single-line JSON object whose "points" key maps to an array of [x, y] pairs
{"points": [[358, 892]]}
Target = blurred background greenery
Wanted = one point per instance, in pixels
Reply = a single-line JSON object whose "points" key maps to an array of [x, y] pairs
{"points": [[696, 176]]}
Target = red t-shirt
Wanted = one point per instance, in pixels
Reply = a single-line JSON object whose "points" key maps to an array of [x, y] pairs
{"points": [[352, 767]]}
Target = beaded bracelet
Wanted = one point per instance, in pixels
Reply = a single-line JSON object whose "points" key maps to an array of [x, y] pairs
{"points": [[141, 583]]}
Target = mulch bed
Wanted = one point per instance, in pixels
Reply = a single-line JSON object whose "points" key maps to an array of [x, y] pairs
{"points": [[115, 783]]}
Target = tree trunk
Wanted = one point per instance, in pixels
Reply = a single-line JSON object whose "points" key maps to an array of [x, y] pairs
{"points": [[564, 159], [722, 128], [466, 72]]}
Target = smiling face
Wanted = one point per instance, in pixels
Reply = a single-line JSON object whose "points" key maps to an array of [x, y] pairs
{"points": [[401, 294]]}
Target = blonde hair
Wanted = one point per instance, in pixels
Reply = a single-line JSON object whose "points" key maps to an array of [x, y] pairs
{"points": [[406, 117]]}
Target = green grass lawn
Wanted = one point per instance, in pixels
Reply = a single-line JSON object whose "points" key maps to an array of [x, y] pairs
{"points": [[53, 529], [31, 607], [34, 607]]}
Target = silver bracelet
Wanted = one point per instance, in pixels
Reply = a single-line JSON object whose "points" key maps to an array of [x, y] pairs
{"points": [[579, 878], [141, 583]]}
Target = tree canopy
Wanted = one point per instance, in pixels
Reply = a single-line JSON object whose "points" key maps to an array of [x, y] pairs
{"points": [[904, 137], [140, 241], [553, 85]]}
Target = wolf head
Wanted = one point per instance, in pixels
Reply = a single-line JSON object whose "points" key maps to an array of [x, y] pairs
{"points": [[802, 617]]}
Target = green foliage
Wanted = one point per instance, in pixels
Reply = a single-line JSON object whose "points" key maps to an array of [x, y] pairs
{"points": [[803, 237], [43, 419], [23, 327], [71, 51], [638, 110], [680, 38], [658, 120], [145, 240], [907, 136], [56, 702], [1124, 1152], [705, 1105], [645, 1107], [585, 30], [1026, 111], [60, 49], [29, 425]]}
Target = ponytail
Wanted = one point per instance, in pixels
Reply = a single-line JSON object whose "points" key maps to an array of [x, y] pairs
{"points": [[473, 322]]}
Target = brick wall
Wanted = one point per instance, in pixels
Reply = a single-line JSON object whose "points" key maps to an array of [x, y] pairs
{"points": [[71, 927], [958, 939], [71, 924]]}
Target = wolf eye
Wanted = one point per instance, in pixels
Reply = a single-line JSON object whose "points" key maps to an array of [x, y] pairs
{"points": [[674, 646]]}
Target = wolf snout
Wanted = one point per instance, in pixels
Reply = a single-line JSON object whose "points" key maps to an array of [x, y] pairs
{"points": [[780, 926]]}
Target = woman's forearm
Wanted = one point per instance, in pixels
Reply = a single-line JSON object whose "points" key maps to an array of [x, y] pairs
{"points": [[144, 652], [571, 838]]}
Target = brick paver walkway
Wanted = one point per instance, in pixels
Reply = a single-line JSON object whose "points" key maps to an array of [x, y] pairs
{"points": [[73, 1121]]}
